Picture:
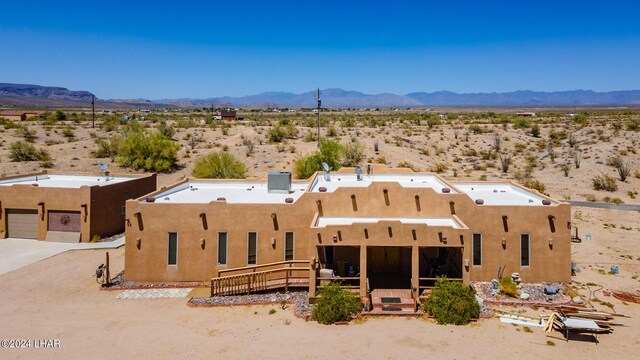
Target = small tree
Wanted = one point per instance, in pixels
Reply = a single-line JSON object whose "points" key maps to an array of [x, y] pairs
{"points": [[451, 302], [335, 304], [219, 166], [147, 151], [330, 153], [353, 154]]}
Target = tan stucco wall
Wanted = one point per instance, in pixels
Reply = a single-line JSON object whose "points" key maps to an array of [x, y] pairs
{"points": [[102, 202], [149, 262]]}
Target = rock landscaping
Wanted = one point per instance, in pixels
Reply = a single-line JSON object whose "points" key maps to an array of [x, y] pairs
{"points": [[300, 300]]}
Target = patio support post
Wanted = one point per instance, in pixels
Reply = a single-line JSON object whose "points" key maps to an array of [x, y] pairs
{"points": [[312, 276], [363, 270], [415, 267]]}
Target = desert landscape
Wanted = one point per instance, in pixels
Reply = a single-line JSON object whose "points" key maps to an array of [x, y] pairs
{"points": [[554, 153]]}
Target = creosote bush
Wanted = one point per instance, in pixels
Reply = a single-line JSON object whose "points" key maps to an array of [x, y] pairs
{"points": [[219, 166], [23, 151], [452, 302], [330, 152], [335, 304], [140, 149], [604, 182]]}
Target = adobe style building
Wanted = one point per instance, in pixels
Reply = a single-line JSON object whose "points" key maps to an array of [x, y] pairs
{"points": [[67, 207], [386, 228]]}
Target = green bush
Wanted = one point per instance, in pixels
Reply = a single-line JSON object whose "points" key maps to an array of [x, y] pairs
{"points": [[147, 151], [219, 166], [535, 185], [335, 304], [353, 154], [330, 152], [604, 182], [107, 148], [281, 132], [23, 151], [452, 302], [509, 287]]}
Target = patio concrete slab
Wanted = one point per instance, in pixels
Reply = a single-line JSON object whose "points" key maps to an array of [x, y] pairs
{"points": [[16, 253], [154, 293]]}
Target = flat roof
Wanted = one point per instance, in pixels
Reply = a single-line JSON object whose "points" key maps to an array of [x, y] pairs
{"points": [[334, 181], [240, 192], [65, 181], [500, 194], [324, 221]]}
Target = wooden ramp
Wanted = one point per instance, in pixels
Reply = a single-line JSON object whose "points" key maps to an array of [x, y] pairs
{"points": [[393, 302]]}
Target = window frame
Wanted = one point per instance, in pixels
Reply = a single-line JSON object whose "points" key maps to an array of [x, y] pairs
{"points": [[169, 247], [473, 243], [249, 247], [226, 249], [528, 249], [293, 245]]}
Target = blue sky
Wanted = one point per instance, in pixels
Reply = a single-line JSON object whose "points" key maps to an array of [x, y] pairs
{"points": [[172, 49]]}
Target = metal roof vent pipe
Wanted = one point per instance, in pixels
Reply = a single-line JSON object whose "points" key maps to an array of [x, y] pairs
{"points": [[279, 182]]}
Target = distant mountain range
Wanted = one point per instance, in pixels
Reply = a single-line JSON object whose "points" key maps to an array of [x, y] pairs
{"points": [[34, 95]]}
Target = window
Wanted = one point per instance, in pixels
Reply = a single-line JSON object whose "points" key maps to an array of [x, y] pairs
{"points": [[252, 247], [477, 250], [172, 253], [288, 245], [222, 248], [524, 250]]}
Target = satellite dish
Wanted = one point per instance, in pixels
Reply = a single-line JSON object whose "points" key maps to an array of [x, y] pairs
{"points": [[103, 166], [358, 170], [325, 166]]}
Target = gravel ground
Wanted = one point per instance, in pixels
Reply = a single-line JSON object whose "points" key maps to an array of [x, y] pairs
{"points": [[535, 291], [299, 298], [118, 283]]}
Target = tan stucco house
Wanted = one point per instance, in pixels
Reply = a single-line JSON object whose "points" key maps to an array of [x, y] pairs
{"points": [[67, 206], [382, 228]]}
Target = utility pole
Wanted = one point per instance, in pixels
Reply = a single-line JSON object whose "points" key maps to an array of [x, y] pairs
{"points": [[319, 104], [93, 111]]}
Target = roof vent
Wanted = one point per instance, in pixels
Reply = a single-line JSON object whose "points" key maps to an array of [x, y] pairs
{"points": [[279, 182], [150, 199], [479, 201], [546, 202], [221, 199], [322, 189], [446, 190], [288, 200]]}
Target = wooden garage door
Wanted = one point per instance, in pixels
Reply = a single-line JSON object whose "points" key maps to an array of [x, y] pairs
{"points": [[67, 221], [22, 223]]}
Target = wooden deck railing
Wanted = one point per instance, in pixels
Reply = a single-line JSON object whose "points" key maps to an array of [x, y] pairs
{"points": [[422, 287], [251, 280], [414, 296]]}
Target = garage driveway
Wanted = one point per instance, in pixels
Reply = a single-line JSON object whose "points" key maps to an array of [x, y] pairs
{"points": [[16, 253]]}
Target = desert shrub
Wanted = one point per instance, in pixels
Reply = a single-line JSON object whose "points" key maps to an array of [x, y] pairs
{"points": [[28, 134], [332, 132], [407, 165], [439, 168], [535, 130], [330, 152], [604, 182], [622, 167], [505, 162], [147, 151], [219, 166], [110, 123], [581, 119], [107, 148], [68, 132], [280, 132], [23, 151], [451, 302], [353, 154], [335, 304], [508, 286], [535, 184], [59, 116], [166, 131]]}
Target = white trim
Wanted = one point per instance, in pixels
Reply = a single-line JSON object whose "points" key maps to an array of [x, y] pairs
{"points": [[168, 247], [293, 248], [226, 250], [256, 261]]}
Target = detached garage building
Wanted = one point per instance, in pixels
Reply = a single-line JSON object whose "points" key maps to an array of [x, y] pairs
{"points": [[67, 207]]}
